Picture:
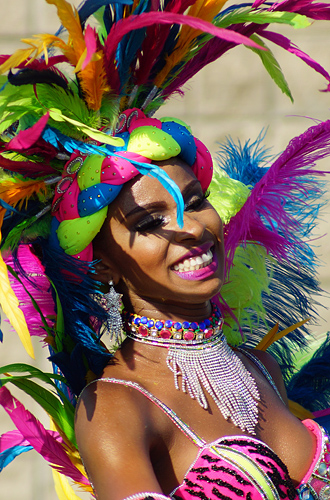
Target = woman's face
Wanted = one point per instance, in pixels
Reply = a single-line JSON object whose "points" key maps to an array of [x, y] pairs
{"points": [[150, 259]]}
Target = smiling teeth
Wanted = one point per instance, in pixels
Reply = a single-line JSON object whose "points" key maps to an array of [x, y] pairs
{"points": [[195, 263]]}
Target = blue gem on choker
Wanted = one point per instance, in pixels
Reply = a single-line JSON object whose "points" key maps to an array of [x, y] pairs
{"points": [[148, 328]]}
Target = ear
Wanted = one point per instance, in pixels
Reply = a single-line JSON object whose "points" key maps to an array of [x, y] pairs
{"points": [[105, 270]]}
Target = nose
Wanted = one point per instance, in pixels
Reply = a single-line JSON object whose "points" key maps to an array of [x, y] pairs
{"points": [[192, 229]]}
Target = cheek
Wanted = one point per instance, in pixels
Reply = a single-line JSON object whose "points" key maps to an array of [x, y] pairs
{"points": [[138, 257]]}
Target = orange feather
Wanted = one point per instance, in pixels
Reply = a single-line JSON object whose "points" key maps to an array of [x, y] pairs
{"points": [[19, 192]]}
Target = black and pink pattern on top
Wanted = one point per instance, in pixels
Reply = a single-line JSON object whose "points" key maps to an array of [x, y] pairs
{"points": [[214, 476]]}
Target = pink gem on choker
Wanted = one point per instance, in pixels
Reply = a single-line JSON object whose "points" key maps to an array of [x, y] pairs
{"points": [[149, 328]]}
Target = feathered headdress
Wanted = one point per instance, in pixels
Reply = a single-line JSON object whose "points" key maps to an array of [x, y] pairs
{"points": [[76, 123]]}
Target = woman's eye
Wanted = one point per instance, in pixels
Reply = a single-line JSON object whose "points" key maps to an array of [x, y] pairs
{"points": [[149, 224], [195, 202]]}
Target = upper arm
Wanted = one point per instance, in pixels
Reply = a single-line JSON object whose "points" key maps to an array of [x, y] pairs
{"points": [[113, 435], [274, 369]]}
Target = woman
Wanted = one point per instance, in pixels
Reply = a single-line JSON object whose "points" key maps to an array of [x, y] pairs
{"points": [[99, 192], [146, 246]]}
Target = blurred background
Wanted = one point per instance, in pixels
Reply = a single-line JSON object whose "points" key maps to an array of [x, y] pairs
{"points": [[232, 97]]}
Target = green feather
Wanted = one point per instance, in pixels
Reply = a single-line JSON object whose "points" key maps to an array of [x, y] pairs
{"points": [[241, 16], [55, 404], [69, 104], [272, 66]]}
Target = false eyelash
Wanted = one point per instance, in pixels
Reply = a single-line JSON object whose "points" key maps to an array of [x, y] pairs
{"points": [[150, 223]]}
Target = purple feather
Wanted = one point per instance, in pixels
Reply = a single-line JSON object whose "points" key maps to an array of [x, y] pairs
{"points": [[319, 10], [263, 218]]}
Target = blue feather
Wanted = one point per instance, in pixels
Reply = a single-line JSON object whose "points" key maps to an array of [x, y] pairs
{"points": [[244, 162], [7, 456], [310, 387], [129, 46], [8, 207], [88, 7]]}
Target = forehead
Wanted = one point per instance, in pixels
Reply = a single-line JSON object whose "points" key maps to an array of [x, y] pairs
{"points": [[145, 190]]}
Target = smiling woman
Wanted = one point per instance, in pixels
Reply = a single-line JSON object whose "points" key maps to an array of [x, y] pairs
{"points": [[141, 246], [148, 293]]}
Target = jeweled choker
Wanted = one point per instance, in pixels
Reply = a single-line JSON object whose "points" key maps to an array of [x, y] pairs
{"points": [[152, 329]]}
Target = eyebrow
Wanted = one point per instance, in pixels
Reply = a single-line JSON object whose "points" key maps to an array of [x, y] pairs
{"points": [[160, 205]]}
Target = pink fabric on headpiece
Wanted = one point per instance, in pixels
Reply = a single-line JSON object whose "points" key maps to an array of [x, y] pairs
{"points": [[67, 191], [117, 170], [144, 122], [203, 166]]}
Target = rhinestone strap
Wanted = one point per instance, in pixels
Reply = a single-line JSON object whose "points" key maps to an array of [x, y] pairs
{"points": [[262, 368], [162, 406]]}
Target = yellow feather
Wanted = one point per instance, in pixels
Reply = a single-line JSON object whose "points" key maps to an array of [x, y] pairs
{"points": [[63, 488], [273, 335], [38, 44], [16, 59], [9, 304], [70, 20], [201, 9], [299, 411]]}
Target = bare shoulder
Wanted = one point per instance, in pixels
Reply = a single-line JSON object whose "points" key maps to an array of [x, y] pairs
{"points": [[114, 432], [109, 408], [273, 368]]}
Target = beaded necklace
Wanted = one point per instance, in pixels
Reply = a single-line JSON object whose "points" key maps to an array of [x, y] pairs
{"points": [[200, 355], [140, 326]]}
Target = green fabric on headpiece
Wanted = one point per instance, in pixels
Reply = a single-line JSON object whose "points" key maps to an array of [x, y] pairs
{"points": [[153, 143], [90, 172], [76, 234]]}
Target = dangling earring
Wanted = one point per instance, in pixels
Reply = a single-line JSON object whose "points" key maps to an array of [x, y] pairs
{"points": [[114, 320]]}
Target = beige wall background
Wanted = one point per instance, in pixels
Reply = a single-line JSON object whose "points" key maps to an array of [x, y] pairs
{"points": [[233, 97]]}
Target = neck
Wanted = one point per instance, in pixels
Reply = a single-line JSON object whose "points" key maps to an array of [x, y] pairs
{"points": [[169, 311]]}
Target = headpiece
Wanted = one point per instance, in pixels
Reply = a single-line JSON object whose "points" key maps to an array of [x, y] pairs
{"points": [[77, 123]]}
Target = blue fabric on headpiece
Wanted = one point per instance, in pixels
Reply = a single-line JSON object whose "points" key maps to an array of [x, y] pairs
{"points": [[96, 197], [184, 138]]}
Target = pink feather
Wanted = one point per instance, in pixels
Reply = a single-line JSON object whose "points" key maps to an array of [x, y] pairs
{"points": [[153, 44], [287, 178], [91, 45], [41, 293], [47, 443], [26, 138], [12, 438], [257, 3]]}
